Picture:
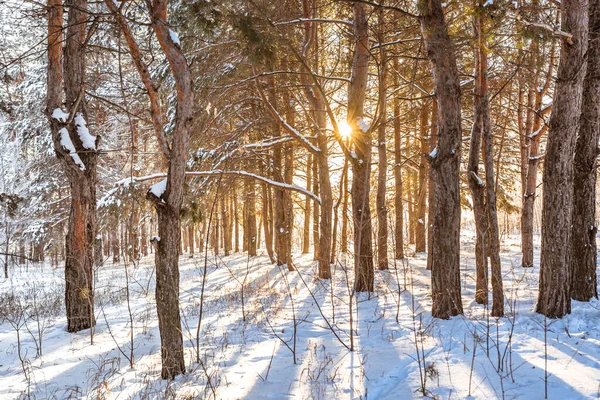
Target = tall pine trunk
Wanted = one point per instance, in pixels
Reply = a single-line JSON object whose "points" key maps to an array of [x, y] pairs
{"points": [[421, 203], [583, 236], [554, 297], [444, 163], [361, 165], [79, 162], [476, 185], [382, 222], [493, 236]]}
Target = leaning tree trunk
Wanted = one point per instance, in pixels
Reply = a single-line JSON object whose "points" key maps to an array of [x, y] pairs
{"points": [[554, 298], [361, 164], [583, 236], [444, 164], [76, 148]]}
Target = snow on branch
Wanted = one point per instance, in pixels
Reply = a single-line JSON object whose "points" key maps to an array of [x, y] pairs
{"points": [[477, 178], [285, 186], [304, 20], [268, 143], [158, 190], [67, 144], [554, 32]]}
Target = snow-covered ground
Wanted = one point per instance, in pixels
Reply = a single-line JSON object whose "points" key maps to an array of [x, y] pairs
{"points": [[247, 336]]}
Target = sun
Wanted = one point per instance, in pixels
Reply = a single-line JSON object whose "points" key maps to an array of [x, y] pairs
{"points": [[345, 129]]}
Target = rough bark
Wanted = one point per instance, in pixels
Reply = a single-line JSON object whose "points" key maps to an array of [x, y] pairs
{"points": [[280, 230], [361, 165], [444, 164], [168, 206], [554, 298], [583, 236], [81, 234]]}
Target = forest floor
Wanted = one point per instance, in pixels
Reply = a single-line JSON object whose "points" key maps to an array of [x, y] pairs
{"points": [[247, 335]]}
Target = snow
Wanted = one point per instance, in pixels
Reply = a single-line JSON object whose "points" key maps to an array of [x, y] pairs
{"points": [[159, 188], [245, 354], [362, 125], [174, 37], [65, 141], [88, 141], [60, 115], [433, 153], [536, 133], [477, 178]]}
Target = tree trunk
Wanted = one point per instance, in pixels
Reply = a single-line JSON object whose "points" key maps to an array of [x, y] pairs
{"points": [[430, 197], [444, 163], [476, 185], [493, 236], [421, 203], [344, 239], [307, 208], [225, 221], [361, 165], [530, 157], [399, 192], [191, 239], [167, 290], [382, 223], [554, 298], [115, 244], [236, 225], [279, 194], [583, 236], [79, 165], [336, 208], [267, 220], [315, 190]]}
